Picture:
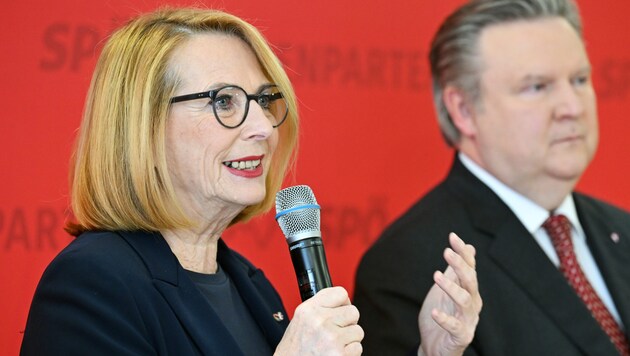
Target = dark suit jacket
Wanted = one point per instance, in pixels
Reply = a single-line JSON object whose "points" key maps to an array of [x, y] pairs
{"points": [[125, 293], [528, 307]]}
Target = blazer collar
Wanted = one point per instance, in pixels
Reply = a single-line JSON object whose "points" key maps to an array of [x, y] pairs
{"points": [[514, 250], [191, 307]]}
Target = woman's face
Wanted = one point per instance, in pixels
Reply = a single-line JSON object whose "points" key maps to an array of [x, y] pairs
{"points": [[215, 169]]}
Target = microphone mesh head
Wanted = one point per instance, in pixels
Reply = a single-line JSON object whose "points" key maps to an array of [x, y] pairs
{"points": [[304, 219]]}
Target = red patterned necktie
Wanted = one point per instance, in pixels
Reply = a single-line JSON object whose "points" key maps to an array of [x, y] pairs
{"points": [[559, 229]]}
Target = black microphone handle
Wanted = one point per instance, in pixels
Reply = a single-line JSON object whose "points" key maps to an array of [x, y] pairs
{"points": [[311, 269]]}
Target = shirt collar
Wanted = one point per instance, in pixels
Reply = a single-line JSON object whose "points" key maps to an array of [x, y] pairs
{"points": [[567, 208], [530, 214]]}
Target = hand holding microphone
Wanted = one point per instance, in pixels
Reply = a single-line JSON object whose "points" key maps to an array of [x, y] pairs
{"points": [[326, 321]]}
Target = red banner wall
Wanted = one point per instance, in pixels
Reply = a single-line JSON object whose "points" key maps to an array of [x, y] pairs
{"points": [[370, 145]]}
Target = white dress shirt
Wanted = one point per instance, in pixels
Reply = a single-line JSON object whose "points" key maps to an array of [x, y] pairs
{"points": [[532, 216]]}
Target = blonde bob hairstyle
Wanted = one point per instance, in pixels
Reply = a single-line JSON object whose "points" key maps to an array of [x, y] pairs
{"points": [[119, 179]]}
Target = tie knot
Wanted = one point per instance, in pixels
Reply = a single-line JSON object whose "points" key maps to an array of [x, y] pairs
{"points": [[558, 227]]}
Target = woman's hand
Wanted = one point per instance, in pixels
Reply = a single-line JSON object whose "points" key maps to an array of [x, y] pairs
{"points": [[450, 312], [325, 324]]}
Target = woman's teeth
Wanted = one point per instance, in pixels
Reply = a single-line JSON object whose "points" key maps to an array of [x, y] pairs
{"points": [[240, 165]]}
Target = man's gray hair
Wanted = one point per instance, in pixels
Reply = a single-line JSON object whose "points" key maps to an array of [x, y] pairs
{"points": [[454, 56]]}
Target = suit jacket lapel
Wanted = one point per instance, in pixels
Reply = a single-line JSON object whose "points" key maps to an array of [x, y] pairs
{"points": [[611, 256], [514, 248], [197, 316], [516, 252]]}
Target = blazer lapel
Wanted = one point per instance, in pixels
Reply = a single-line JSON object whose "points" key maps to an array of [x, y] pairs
{"points": [[194, 312], [516, 252], [257, 294], [611, 255], [514, 248]]}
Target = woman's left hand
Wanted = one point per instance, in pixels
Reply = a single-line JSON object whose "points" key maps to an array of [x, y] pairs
{"points": [[450, 312]]}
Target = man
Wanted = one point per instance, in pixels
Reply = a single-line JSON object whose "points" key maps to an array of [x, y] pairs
{"points": [[512, 86]]}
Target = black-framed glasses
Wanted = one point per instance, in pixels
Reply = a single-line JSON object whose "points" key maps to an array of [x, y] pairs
{"points": [[230, 104]]}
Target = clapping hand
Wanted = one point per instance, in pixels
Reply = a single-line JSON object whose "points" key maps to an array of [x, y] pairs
{"points": [[450, 312]]}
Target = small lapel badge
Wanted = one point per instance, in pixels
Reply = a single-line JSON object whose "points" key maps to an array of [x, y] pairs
{"points": [[278, 316], [615, 237]]}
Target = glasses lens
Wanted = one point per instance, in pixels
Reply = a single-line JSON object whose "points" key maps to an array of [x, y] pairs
{"points": [[229, 106], [272, 101]]}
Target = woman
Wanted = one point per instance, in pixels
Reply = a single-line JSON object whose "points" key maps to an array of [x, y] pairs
{"points": [[189, 126]]}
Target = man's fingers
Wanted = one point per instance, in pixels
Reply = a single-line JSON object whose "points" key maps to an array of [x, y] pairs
{"points": [[464, 271], [459, 295], [446, 322], [466, 251]]}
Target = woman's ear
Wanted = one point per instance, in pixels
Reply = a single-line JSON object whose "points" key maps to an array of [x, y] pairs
{"points": [[460, 109]]}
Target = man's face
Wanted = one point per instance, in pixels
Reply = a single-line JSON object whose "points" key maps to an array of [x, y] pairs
{"points": [[536, 122]]}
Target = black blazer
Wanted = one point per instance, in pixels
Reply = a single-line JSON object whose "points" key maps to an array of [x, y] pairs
{"points": [[528, 307], [125, 293]]}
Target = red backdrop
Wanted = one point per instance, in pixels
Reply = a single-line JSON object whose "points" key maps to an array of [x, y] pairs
{"points": [[370, 145]]}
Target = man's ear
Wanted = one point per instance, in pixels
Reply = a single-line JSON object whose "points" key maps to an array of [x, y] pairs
{"points": [[460, 109]]}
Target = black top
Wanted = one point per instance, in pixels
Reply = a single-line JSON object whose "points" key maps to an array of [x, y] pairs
{"points": [[224, 298]]}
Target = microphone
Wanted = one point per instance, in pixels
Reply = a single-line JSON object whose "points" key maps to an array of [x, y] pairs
{"points": [[297, 213]]}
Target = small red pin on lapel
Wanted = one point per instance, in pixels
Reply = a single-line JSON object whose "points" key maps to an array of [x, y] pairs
{"points": [[615, 237], [278, 316]]}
